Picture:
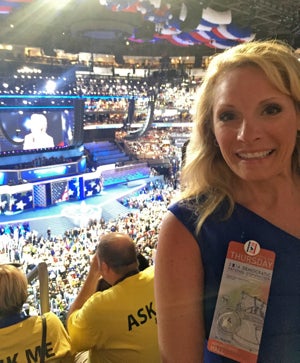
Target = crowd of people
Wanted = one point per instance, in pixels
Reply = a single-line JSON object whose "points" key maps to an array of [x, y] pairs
{"points": [[157, 144], [68, 255], [222, 244]]}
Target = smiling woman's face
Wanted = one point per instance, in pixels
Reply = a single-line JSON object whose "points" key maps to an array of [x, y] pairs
{"points": [[255, 124]]}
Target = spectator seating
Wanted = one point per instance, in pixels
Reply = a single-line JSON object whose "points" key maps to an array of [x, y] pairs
{"points": [[106, 152]]}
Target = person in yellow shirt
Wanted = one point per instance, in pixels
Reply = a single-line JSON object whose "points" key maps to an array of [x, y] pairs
{"points": [[20, 334], [119, 323]]}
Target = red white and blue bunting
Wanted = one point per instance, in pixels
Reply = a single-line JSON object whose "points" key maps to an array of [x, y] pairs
{"points": [[7, 6], [213, 29]]}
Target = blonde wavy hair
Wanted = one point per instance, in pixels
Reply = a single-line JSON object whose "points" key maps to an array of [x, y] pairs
{"points": [[13, 287], [205, 175]]}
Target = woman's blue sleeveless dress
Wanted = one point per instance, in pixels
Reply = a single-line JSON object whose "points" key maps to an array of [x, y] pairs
{"points": [[280, 342]]}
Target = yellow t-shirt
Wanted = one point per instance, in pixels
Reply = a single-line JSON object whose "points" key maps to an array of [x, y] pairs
{"points": [[118, 324], [21, 342]]}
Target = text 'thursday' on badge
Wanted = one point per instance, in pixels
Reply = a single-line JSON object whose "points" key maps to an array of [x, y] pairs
{"points": [[242, 302]]}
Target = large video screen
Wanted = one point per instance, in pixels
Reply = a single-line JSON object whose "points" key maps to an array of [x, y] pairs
{"points": [[36, 128], [31, 123]]}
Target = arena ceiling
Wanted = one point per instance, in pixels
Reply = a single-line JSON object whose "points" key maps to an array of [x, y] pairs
{"points": [[146, 27]]}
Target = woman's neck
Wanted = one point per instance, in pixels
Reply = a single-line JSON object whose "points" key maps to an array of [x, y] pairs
{"points": [[267, 194]]}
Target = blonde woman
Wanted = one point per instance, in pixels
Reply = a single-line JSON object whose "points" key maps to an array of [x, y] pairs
{"points": [[38, 137], [20, 334], [240, 184]]}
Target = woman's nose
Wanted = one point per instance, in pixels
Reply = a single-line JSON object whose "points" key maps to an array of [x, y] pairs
{"points": [[248, 131]]}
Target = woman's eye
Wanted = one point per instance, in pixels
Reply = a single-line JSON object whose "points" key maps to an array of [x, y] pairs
{"points": [[226, 116], [272, 110]]}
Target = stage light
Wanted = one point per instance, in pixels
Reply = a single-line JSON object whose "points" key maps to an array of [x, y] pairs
{"points": [[50, 86]]}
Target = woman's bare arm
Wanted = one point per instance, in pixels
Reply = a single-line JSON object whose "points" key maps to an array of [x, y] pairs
{"points": [[178, 294]]}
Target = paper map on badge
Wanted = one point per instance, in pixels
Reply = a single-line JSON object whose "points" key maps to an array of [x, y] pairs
{"points": [[242, 302]]}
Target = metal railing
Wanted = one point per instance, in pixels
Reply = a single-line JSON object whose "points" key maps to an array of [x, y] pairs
{"points": [[41, 273]]}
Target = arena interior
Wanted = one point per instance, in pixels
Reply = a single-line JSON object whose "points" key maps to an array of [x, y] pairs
{"points": [[117, 81]]}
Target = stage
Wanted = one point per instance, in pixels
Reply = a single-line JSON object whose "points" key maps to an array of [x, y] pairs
{"points": [[70, 214]]}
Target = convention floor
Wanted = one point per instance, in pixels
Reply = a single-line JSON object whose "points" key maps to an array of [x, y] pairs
{"points": [[65, 215]]}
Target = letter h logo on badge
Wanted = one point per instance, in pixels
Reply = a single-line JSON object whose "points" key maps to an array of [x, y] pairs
{"points": [[252, 248]]}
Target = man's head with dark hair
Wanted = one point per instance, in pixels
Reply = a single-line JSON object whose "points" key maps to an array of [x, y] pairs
{"points": [[118, 252]]}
